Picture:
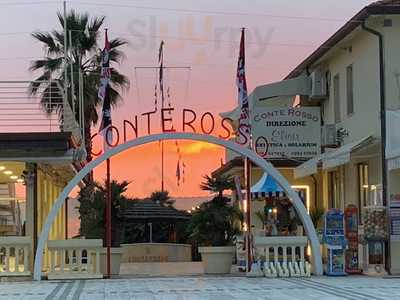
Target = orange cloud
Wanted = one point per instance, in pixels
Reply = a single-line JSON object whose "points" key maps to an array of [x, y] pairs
{"points": [[199, 147]]}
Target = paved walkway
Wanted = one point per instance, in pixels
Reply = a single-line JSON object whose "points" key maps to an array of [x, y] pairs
{"points": [[219, 288]]}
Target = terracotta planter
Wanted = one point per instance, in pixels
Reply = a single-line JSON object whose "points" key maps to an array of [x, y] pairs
{"points": [[217, 260], [116, 255]]}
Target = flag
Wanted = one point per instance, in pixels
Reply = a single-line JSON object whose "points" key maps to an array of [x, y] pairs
{"points": [[183, 172], [178, 172], [178, 167], [244, 128], [104, 94], [105, 73], [161, 72]]}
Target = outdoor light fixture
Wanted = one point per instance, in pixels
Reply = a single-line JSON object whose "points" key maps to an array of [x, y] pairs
{"points": [[2, 168], [14, 177], [8, 172], [20, 180]]}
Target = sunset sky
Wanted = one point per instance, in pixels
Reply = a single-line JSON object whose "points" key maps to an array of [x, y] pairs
{"points": [[203, 35]]}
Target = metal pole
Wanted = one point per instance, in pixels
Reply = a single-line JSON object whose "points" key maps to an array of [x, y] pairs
{"points": [[162, 166], [108, 220], [81, 106], [71, 63], [162, 107], [65, 58], [247, 169]]}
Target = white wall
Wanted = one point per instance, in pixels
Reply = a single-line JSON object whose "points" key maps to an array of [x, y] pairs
{"points": [[364, 58]]}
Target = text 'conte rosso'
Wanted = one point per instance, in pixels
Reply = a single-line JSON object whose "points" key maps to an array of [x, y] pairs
{"points": [[206, 123]]}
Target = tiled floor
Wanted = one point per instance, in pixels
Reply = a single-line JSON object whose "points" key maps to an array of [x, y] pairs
{"points": [[219, 288]]}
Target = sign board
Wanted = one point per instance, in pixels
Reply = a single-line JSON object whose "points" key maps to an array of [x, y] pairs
{"points": [[290, 132]]}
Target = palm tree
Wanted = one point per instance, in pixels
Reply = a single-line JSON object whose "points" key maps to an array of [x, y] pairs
{"points": [[84, 54], [162, 197], [217, 184], [92, 208]]}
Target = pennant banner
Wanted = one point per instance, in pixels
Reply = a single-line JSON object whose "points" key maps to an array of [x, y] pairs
{"points": [[104, 94], [244, 128]]}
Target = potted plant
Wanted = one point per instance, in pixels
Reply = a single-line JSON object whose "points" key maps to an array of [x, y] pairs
{"points": [[92, 215], [316, 216], [214, 226]]}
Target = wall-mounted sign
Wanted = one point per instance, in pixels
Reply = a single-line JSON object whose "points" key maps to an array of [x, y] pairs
{"points": [[290, 132]]}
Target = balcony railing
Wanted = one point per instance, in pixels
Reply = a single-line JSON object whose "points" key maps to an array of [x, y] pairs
{"points": [[74, 259], [14, 255], [20, 111], [282, 256]]}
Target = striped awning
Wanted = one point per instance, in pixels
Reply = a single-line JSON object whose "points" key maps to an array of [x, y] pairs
{"points": [[267, 187]]}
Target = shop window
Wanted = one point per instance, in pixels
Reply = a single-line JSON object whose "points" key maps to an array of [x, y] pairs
{"points": [[334, 189], [350, 90], [336, 98], [363, 188]]}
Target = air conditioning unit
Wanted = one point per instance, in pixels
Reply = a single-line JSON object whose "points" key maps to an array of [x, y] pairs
{"points": [[329, 135], [318, 84]]}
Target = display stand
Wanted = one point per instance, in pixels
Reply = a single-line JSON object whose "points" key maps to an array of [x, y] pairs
{"points": [[334, 238], [351, 234], [375, 235]]}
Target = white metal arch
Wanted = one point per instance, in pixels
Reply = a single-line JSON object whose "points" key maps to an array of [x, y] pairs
{"points": [[262, 163]]}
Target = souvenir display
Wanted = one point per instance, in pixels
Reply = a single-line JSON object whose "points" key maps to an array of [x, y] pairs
{"points": [[334, 238], [375, 223], [351, 234]]}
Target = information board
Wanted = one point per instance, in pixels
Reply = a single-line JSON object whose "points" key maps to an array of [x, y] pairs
{"points": [[289, 132]]}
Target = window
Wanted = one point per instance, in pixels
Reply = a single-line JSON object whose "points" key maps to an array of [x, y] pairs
{"points": [[336, 98], [350, 90], [363, 188], [334, 189]]}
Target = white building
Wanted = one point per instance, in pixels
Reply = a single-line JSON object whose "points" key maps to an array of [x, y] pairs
{"points": [[354, 77]]}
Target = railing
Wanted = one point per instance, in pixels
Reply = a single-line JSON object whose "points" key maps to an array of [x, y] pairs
{"points": [[281, 256], [74, 259], [10, 218], [21, 111], [14, 256]]}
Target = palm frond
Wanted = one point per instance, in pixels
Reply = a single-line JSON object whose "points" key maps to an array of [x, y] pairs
{"points": [[51, 46], [48, 64], [41, 80]]}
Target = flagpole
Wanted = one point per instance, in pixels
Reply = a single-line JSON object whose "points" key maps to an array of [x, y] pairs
{"points": [[108, 218], [106, 122], [247, 169], [162, 166], [109, 202], [161, 60], [245, 124]]}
